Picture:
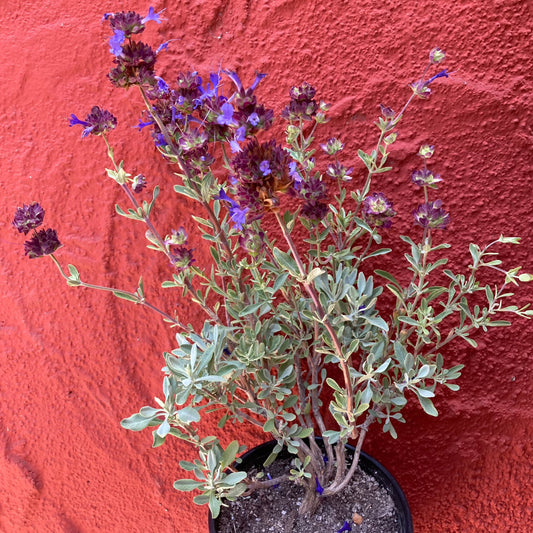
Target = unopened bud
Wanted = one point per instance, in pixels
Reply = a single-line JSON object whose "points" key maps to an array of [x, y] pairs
{"points": [[426, 151], [437, 56]]}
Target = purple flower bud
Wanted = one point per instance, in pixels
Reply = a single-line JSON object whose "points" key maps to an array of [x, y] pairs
{"points": [[139, 183], [127, 22], [431, 215], [339, 172], [252, 241], [178, 237], [181, 257], [332, 146], [425, 177], [28, 217], [387, 112], [426, 151], [44, 242], [437, 56], [319, 487]]}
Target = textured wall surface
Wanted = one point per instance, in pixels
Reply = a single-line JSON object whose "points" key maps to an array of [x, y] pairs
{"points": [[75, 362]]}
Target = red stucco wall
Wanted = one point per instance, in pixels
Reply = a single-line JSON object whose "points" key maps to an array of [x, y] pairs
{"points": [[75, 362]]}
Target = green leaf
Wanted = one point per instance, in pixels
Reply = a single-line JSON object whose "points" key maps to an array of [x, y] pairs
{"points": [[234, 478], [187, 485], [427, 405], [249, 309], [188, 415], [286, 261], [73, 271], [381, 251], [136, 422], [185, 191], [280, 281], [270, 459], [388, 276], [126, 296], [229, 454], [334, 385]]}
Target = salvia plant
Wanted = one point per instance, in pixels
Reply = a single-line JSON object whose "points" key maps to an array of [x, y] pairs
{"points": [[290, 330]]}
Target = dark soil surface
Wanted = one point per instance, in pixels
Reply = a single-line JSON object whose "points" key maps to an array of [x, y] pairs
{"points": [[276, 510]]}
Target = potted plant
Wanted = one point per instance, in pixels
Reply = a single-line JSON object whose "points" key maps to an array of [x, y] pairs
{"points": [[295, 329]]}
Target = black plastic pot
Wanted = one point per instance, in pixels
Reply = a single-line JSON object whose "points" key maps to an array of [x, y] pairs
{"points": [[258, 455]]}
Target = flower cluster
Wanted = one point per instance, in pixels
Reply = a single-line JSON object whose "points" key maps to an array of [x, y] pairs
{"points": [[134, 60], [302, 105], [28, 217], [43, 242], [97, 122], [378, 211], [261, 174], [429, 215]]}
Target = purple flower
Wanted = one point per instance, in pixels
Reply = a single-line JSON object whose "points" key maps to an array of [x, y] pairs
{"points": [[237, 214], [161, 85], [257, 81], [44, 242], [237, 138], [139, 183], [346, 527], [226, 119], [431, 215], [116, 41], [425, 177], [152, 15], [28, 217], [253, 119], [209, 92], [142, 124], [264, 167], [378, 211], [294, 174], [97, 122], [319, 487], [162, 46], [441, 74]]}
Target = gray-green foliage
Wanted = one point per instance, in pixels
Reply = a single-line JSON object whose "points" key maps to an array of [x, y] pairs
{"points": [[291, 324]]}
